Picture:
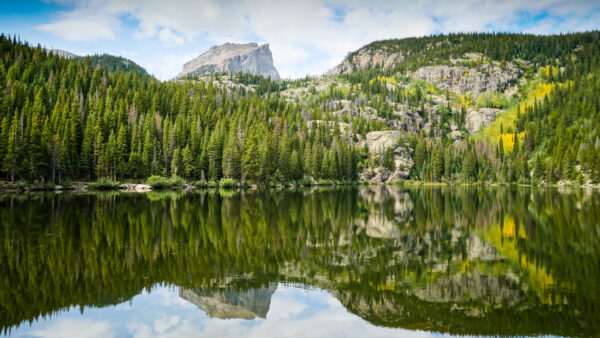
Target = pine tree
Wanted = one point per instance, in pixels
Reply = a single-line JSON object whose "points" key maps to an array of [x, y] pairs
{"points": [[250, 160], [232, 156], [388, 159], [437, 164]]}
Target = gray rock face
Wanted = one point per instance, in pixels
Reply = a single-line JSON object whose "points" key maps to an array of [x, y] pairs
{"points": [[233, 58], [365, 58], [377, 142], [477, 119], [463, 80], [62, 53]]}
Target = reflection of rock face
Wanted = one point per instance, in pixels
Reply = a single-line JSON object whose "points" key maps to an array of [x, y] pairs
{"points": [[476, 248], [227, 304], [384, 223], [472, 287]]}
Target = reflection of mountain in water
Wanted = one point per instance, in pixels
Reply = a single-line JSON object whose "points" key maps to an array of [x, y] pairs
{"points": [[228, 304], [457, 260]]}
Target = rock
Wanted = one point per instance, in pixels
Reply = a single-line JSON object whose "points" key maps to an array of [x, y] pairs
{"points": [[58, 187], [233, 58], [477, 119], [379, 141], [366, 58], [464, 80], [61, 53], [136, 187]]}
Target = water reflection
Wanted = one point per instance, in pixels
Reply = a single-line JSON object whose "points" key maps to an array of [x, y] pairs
{"points": [[497, 261]]}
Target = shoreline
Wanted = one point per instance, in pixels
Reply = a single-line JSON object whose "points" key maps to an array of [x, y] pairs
{"points": [[143, 187]]}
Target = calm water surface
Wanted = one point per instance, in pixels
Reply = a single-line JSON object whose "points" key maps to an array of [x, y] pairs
{"points": [[366, 261]]}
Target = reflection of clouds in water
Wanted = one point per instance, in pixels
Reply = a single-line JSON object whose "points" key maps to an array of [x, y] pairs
{"points": [[68, 327], [294, 312], [165, 326], [168, 296], [284, 305]]}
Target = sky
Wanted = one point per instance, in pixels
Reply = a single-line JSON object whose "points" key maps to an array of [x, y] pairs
{"points": [[306, 37], [293, 312]]}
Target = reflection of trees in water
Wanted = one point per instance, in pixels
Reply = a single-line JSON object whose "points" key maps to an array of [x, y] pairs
{"points": [[518, 255]]}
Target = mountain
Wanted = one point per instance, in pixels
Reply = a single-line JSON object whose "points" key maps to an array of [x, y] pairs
{"points": [[458, 107], [62, 53], [111, 63], [233, 58]]}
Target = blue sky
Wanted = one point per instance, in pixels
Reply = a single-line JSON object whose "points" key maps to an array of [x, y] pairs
{"points": [[306, 37]]}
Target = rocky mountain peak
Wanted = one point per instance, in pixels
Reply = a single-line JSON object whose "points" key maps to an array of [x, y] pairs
{"points": [[232, 58]]}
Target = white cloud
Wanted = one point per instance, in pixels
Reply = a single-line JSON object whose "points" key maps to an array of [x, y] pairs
{"points": [[82, 26], [306, 36], [67, 328], [167, 36]]}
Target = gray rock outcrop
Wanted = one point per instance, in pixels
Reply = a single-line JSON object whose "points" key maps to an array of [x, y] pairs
{"points": [[478, 119], [464, 80], [377, 142], [365, 58], [233, 58], [61, 53]]}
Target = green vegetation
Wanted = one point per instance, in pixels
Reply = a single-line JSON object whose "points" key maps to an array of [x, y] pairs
{"points": [[65, 119], [104, 184], [160, 182], [93, 118]]}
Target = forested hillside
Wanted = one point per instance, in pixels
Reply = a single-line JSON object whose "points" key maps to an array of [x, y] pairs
{"points": [[460, 107], [64, 119]]}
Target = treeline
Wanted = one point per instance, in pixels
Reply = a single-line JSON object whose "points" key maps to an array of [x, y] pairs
{"points": [[66, 119], [439, 49]]}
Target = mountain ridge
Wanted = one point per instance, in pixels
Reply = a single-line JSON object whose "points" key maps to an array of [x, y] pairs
{"points": [[250, 58]]}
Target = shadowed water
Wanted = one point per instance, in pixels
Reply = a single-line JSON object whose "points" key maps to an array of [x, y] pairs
{"points": [[377, 261]]}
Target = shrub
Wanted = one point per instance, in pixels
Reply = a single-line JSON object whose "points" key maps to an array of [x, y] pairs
{"points": [[206, 184], [229, 183], [42, 186], [160, 182], [492, 100], [104, 184]]}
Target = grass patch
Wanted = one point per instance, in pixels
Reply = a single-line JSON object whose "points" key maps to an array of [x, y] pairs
{"points": [[160, 182], [229, 183], [104, 184]]}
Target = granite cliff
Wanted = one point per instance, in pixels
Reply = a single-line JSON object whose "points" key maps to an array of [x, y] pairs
{"points": [[233, 58]]}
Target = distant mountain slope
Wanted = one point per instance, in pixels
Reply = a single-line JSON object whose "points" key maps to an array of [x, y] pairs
{"points": [[233, 58], [112, 63], [62, 53], [412, 53]]}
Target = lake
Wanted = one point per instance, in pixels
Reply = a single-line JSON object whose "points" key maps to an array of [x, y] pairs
{"points": [[320, 262]]}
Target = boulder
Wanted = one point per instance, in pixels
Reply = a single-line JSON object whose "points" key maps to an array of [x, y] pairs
{"points": [[477, 119]]}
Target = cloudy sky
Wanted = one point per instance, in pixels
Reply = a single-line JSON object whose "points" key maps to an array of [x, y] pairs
{"points": [[306, 36]]}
